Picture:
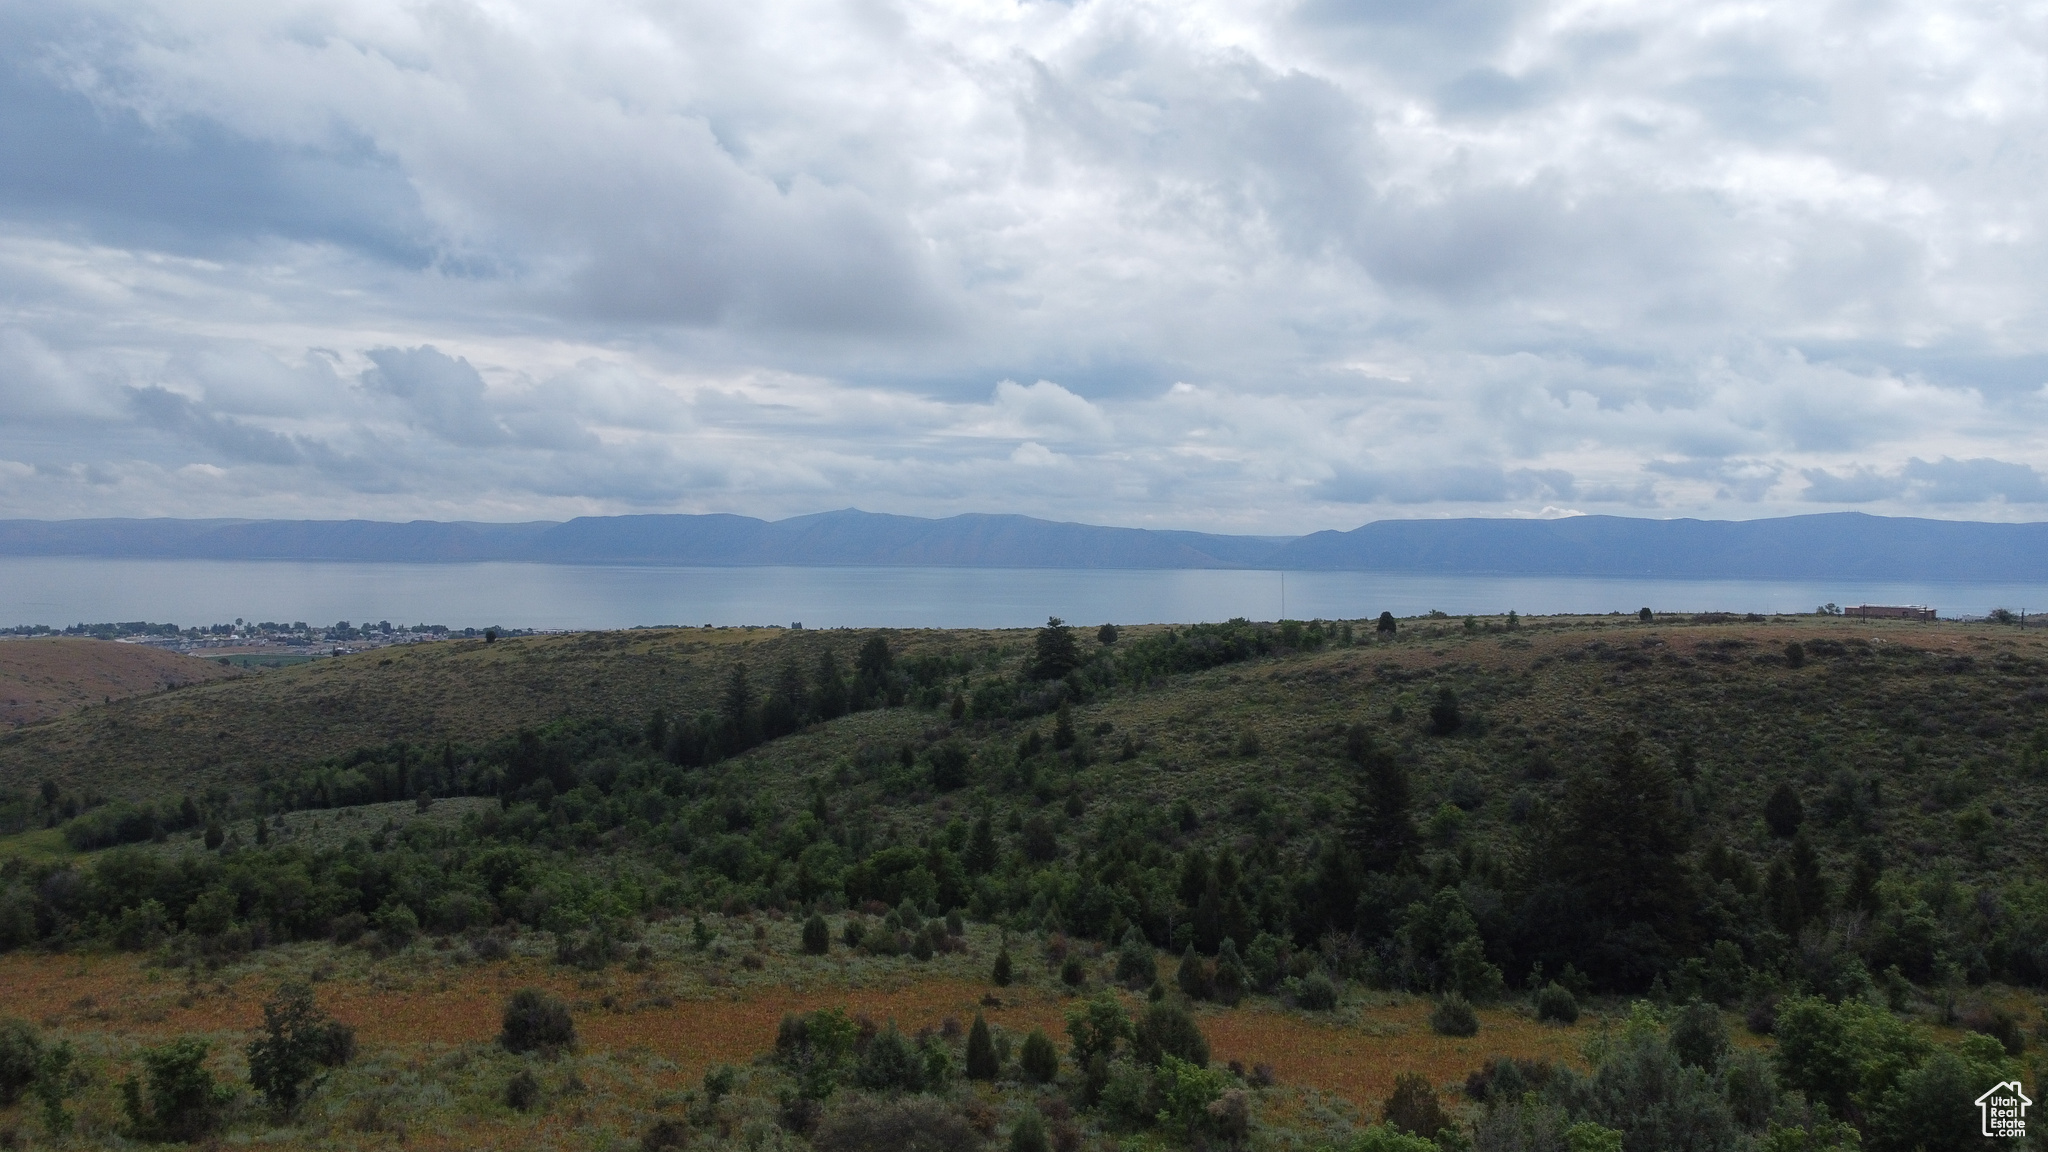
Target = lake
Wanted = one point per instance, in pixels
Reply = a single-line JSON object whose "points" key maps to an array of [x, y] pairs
{"points": [[67, 590]]}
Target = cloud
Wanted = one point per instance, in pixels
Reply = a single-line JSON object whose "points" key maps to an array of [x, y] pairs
{"points": [[1113, 260]]}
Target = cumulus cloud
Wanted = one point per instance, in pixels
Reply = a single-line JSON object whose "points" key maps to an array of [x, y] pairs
{"points": [[1267, 267]]}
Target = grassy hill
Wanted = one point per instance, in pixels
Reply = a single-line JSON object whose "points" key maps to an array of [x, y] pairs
{"points": [[1310, 837], [45, 677]]}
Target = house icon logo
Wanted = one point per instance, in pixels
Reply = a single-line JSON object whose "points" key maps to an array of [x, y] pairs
{"points": [[2005, 1110]]}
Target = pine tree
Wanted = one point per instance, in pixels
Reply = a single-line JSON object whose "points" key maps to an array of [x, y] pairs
{"points": [[1380, 832], [1053, 651], [1001, 974], [980, 856], [981, 1051], [817, 937], [1193, 975]]}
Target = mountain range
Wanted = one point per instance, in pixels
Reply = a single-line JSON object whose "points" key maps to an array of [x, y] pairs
{"points": [[1834, 545]]}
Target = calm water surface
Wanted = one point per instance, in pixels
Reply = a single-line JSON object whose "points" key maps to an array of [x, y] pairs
{"points": [[65, 590]]}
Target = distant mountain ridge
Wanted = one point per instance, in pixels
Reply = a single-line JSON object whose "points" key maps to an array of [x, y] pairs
{"points": [[1834, 545]]}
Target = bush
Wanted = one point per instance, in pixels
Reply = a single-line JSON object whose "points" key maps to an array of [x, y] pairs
{"points": [[20, 1048], [665, 1135], [1039, 1060], [1028, 1134], [1316, 992], [890, 1064], [1167, 1029], [817, 937], [1186, 1090], [1414, 1108], [1385, 1138], [1073, 973], [900, 1124], [178, 1100], [537, 1021], [522, 1092], [1555, 1004], [1453, 1016]]}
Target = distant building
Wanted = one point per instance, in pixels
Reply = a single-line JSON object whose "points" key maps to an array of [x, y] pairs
{"points": [[1890, 612]]}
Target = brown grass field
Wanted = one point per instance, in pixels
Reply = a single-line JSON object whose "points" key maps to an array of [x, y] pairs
{"points": [[44, 677]]}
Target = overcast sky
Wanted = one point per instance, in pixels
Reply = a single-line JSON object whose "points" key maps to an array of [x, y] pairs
{"points": [[1259, 267]]}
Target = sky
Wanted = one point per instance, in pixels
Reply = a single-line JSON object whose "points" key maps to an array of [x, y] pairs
{"points": [[1265, 267]]}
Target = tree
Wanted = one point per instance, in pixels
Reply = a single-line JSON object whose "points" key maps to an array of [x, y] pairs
{"points": [[1135, 965], [736, 711], [828, 688], [1165, 1030], [1001, 974], [1783, 812], [1039, 1059], [1097, 1026], [1063, 727], [981, 1051], [1193, 976], [1445, 718], [1386, 625], [980, 856], [875, 661], [298, 1039], [1379, 831], [1618, 850], [1414, 1107], [1106, 635], [1053, 651], [817, 937]]}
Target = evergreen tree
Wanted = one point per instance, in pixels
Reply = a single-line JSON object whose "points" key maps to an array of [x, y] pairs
{"points": [[875, 661], [828, 688], [981, 1051], [736, 711], [817, 937], [1619, 848], [1386, 625], [1445, 717], [1001, 973], [1380, 832], [1231, 978], [980, 856], [1039, 1059], [1053, 651], [1783, 812], [1193, 975]]}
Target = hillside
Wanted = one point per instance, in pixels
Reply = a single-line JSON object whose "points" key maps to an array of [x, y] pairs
{"points": [[209, 735], [1287, 865], [46, 677]]}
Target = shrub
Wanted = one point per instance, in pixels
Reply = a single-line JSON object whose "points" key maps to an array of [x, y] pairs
{"points": [[1385, 1138], [1130, 1098], [1186, 1090], [1316, 992], [1096, 1026], [1039, 1060], [1413, 1107], [522, 1091], [537, 1021], [1555, 1004], [178, 1100], [665, 1135], [899, 1124], [1751, 1089], [1073, 973], [817, 937], [1028, 1134], [981, 1051], [1168, 1030], [890, 1064], [20, 1048], [1453, 1016]]}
